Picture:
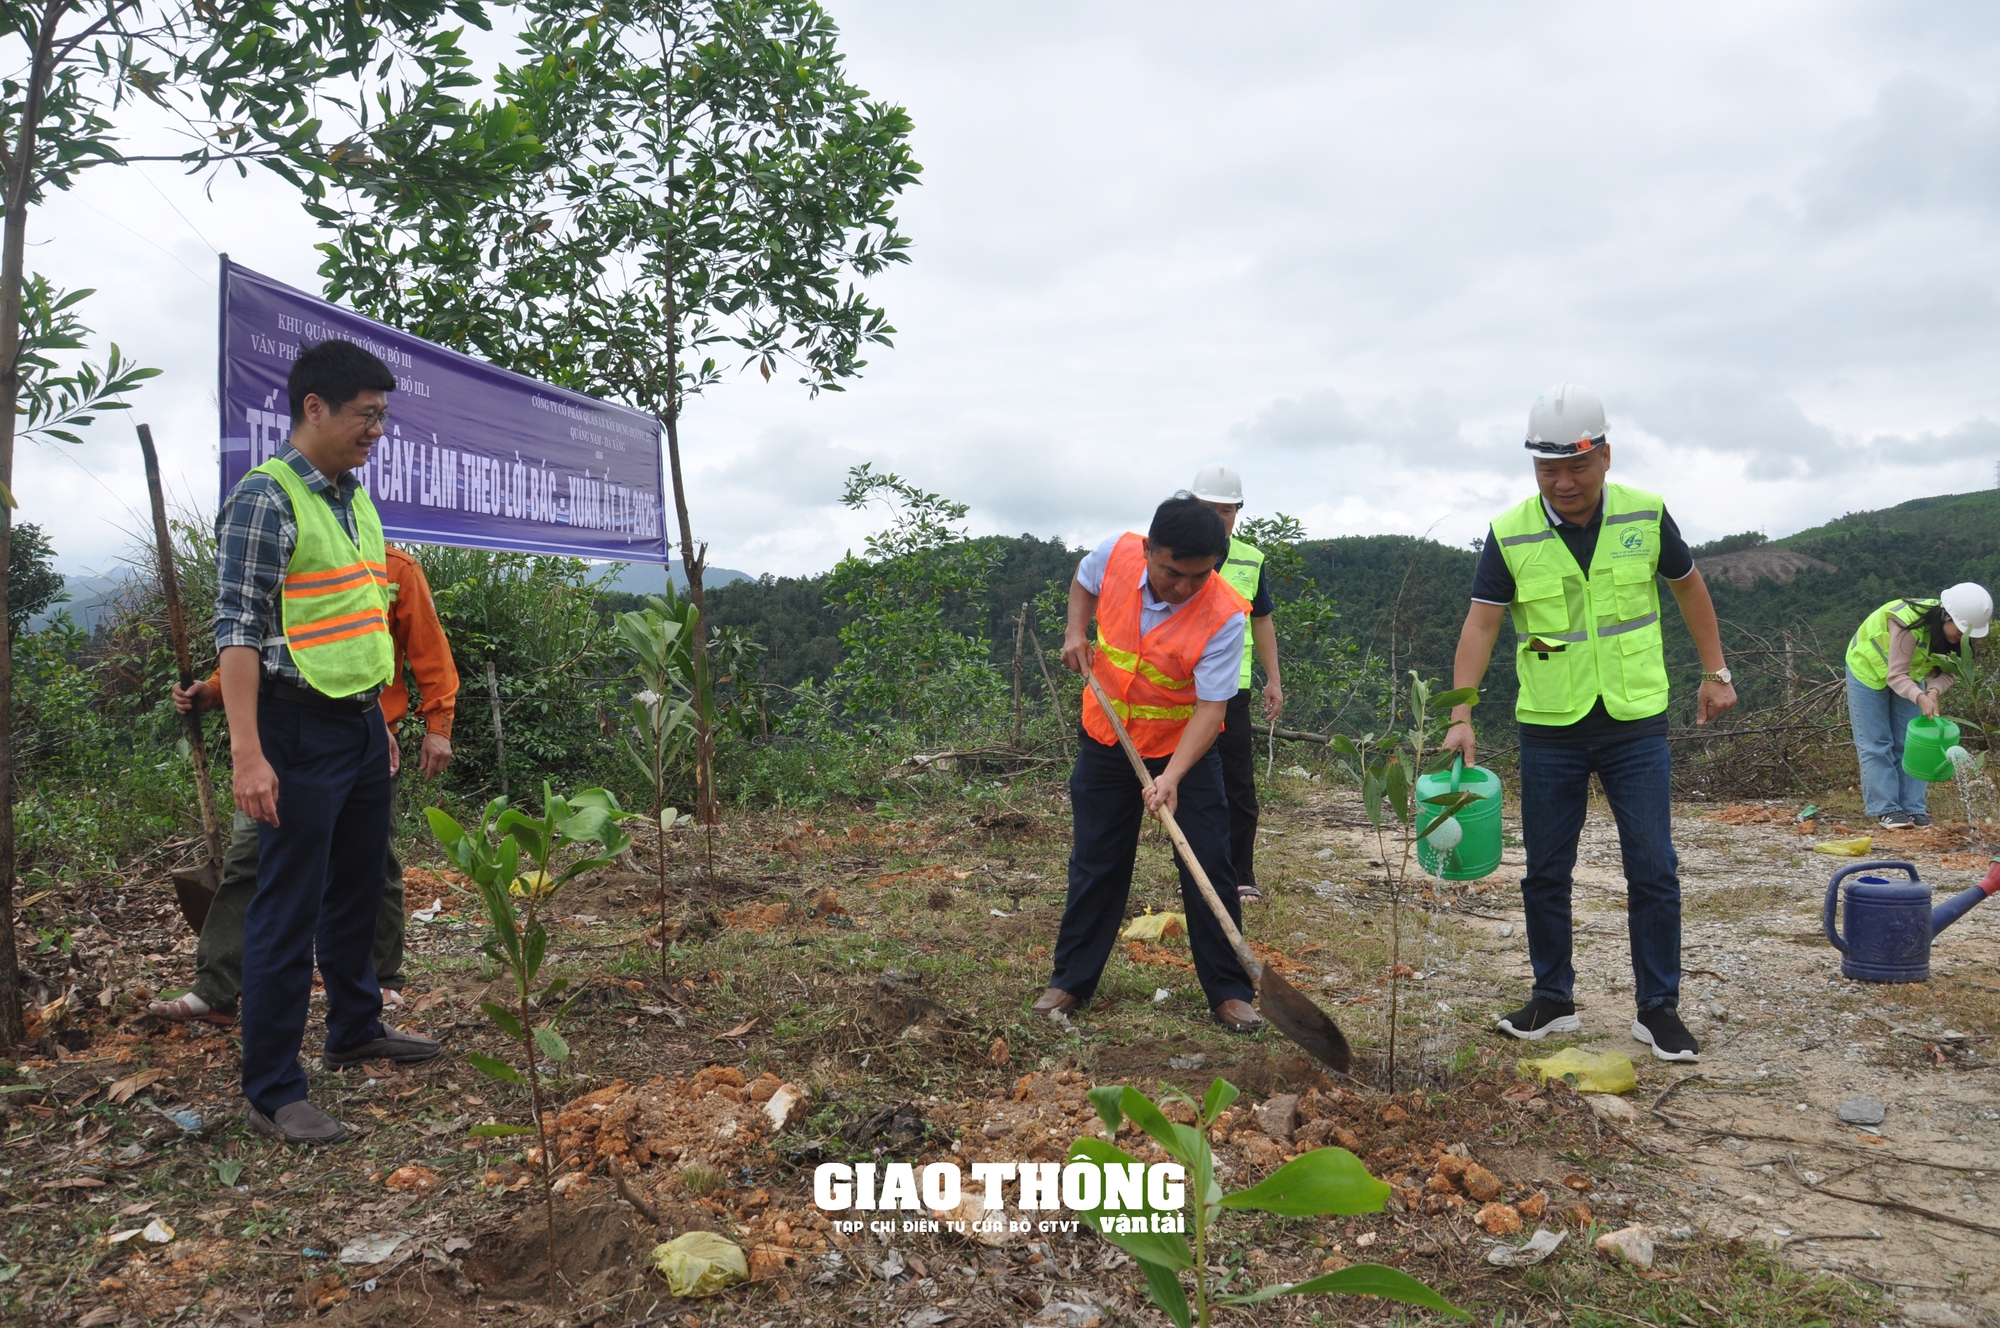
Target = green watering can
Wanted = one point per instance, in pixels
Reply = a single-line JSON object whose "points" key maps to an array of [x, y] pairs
{"points": [[1476, 852], [1927, 745]]}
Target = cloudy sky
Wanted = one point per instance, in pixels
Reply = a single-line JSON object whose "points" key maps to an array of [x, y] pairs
{"points": [[1341, 249]]}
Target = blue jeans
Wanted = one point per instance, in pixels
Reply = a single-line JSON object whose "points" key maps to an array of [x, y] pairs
{"points": [[1555, 793], [1880, 719]]}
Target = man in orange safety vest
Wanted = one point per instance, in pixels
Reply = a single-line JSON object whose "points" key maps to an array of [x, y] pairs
{"points": [[1168, 652]]}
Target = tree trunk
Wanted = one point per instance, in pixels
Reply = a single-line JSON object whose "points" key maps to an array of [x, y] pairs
{"points": [[691, 562], [13, 258]]}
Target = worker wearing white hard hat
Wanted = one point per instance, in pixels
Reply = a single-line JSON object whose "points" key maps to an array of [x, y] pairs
{"points": [[1892, 677], [1243, 567], [1576, 566]]}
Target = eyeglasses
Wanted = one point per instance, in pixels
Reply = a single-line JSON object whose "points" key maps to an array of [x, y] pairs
{"points": [[375, 418]]}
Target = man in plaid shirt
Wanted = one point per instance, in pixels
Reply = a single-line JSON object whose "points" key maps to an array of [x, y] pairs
{"points": [[312, 769]]}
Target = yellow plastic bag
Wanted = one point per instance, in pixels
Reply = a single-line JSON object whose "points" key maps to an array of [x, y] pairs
{"points": [[1588, 1072], [1846, 848], [534, 880], [1155, 927], [700, 1263]]}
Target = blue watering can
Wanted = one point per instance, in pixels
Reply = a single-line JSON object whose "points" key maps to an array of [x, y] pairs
{"points": [[1890, 923]]}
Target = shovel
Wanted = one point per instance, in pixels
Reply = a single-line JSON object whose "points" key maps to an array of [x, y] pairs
{"points": [[194, 888], [1282, 1003]]}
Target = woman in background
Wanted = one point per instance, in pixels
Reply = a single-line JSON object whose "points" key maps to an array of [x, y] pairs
{"points": [[1892, 677]]}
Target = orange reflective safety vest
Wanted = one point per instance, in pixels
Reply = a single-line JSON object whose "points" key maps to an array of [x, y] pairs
{"points": [[1150, 675]]}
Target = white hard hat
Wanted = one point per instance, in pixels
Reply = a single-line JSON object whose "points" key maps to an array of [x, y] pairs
{"points": [[1217, 484], [1969, 606], [1566, 420]]}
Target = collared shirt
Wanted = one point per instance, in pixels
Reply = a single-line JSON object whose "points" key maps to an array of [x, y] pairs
{"points": [[255, 536], [1221, 663]]}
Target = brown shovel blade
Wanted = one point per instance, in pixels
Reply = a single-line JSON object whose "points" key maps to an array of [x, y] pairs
{"points": [[195, 888], [1302, 1021]]}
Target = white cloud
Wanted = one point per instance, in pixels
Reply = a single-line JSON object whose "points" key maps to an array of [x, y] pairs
{"points": [[1340, 246]]}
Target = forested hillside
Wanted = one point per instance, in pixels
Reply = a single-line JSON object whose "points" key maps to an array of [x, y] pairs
{"points": [[1402, 599]]}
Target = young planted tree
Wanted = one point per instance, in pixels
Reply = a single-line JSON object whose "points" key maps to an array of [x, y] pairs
{"points": [[284, 82], [712, 184], [553, 849], [655, 642], [1313, 1184], [1387, 766]]}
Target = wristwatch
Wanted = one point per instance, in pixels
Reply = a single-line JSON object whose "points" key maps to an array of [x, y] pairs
{"points": [[1720, 675]]}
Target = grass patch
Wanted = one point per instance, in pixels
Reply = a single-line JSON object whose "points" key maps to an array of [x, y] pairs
{"points": [[1725, 1283]]}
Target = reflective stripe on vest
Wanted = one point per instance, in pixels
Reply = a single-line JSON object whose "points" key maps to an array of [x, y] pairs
{"points": [[335, 594], [1577, 637], [1868, 650], [1242, 569], [1150, 675]]}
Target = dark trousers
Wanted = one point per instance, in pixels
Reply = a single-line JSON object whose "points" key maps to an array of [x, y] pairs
{"points": [[1104, 798], [1555, 793], [218, 959], [319, 885], [1237, 745]]}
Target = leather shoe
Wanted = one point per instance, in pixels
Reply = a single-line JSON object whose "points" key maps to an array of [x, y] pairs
{"points": [[1054, 1001], [1238, 1017], [393, 1045], [297, 1123]]}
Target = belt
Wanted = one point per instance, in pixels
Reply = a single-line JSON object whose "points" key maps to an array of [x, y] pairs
{"points": [[306, 696]]}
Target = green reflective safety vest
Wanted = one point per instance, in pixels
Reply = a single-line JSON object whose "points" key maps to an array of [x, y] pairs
{"points": [[1581, 637], [336, 599], [1868, 652], [1241, 569]]}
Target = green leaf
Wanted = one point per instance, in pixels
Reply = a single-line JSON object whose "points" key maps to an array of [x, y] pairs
{"points": [[1106, 1101], [1345, 746], [1362, 1279], [1397, 788], [495, 1069], [228, 1171], [1326, 1180], [501, 1015], [1458, 696], [447, 830], [1140, 1110], [551, 1044], [1169, 1249], [499, 1131], [1220, 1094], [534, 945], [1164, 1285]]}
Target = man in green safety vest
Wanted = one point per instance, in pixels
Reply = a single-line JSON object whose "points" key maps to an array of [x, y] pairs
{"points": [[302, 635], [1243, 568], [1578, 567]]}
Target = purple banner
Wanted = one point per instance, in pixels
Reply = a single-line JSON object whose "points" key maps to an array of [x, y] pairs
{"points": [[472, 454]]}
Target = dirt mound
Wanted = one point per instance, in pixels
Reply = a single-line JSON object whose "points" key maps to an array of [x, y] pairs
{"points": [[1742, 568], [715, 1119], [600, 1245]]}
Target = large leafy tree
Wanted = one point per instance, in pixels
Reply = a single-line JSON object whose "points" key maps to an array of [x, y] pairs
{"points": [[356, 99], [712, 188]]}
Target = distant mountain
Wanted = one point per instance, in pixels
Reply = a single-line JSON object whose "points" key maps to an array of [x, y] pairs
{"points": [[89, 598], [649, 578]]}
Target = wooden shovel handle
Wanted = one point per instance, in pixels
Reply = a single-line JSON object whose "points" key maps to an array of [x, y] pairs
{"points": [[1166, 818]]}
